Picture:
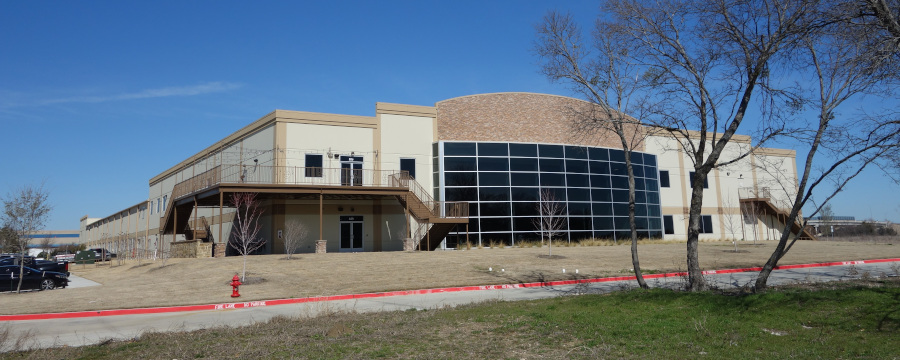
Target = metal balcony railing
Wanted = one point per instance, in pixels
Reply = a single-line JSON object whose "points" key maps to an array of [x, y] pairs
{"points": [[317, 176]]}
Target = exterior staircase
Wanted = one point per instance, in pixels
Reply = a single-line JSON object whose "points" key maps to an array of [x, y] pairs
{"points": [[761, 200], [440, 217]]}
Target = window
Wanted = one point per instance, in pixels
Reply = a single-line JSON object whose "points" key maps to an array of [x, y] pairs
{"points": [[313, 165], [705, 181], [706, 224], [165, 202], [151, 207], [664, 179], [668, 224], [408, 165], [157, 205]]}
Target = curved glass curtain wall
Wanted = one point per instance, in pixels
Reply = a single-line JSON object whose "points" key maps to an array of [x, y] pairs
{"points": [[502, 182]]}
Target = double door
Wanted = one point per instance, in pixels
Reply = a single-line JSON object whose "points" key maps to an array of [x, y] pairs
{"points": [[351, 233], [351, 170]]}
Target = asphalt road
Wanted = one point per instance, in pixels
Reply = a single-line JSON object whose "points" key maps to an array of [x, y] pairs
{"points": [[92, 330]]}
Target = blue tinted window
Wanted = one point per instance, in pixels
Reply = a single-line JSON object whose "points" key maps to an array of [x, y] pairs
{"points": [[618, 169], [638, 170], [525, 223], [577, 166], [493, 179], [619, 182], [493, 194], [461, 194], [620, 195], [598, 167], [601, 195], [525, 194], [548, 179], [525, 150], [460, 179], [580, 223], [576, 152], [603, 223], [576, 194], [602, 208], [579, 208], [495, 224], [492, 149], [616, 155], [523, 164], [524, 179], [495, 208], [459, 149], [525, 209], [493, 164], [551, 165], [551, 151], [598, 154], [577, 180], [640, 197], [653, 197], [600, 181], [459, 164]]}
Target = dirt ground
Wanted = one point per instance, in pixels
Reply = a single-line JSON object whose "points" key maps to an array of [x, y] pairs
{"points": [[205, 281]]}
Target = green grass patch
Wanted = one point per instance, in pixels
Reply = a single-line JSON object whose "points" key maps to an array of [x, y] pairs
{"points": [[835, 320]]}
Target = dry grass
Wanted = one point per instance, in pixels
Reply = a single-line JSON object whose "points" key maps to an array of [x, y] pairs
{"points": [[205, 281]]}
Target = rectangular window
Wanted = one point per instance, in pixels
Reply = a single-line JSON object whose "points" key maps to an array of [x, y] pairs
{"points": [[165, 202], [157, 205], [664, 178], [408, 165], [705, 181], [706, 224], [668, 224], [313, 165]]}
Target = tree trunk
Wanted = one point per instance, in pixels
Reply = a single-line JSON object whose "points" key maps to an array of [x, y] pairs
{"points": [[635, 263], [696, 282]]}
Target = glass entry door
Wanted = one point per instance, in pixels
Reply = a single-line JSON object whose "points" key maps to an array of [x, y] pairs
{"points": [[351, 233], [351, 170]]}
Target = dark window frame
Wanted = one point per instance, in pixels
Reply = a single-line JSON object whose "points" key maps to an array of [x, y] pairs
{"points": [[405, 167], [706, 224], [668, 225], [311, 170], [664, 178], [705, 181]]}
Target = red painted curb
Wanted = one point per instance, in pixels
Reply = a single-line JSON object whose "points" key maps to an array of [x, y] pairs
{"points": [[250, 304]]}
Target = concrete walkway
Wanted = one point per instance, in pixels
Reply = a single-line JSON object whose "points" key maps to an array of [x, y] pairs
{"points": [[90, 330]]}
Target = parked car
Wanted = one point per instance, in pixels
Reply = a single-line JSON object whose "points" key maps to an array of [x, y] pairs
{"points": [[32, 278], [37, 264], [103, 254]]}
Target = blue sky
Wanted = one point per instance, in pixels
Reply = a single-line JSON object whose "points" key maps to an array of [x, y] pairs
{"points": [[97, 97]]}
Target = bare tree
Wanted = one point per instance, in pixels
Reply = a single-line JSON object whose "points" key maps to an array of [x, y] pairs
{"points": [[26, 211], [552, 217], [700, 66], [295, 233], [608, 80], [46, 246], [839, 147], [9, 242], [245, 231], [827, 220], [731, 218]]}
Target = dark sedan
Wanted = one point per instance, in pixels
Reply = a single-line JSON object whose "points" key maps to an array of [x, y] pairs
{"points": [[32, 279]]}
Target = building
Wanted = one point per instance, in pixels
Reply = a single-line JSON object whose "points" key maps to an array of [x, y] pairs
{"points": [[470, 168]]}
